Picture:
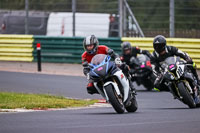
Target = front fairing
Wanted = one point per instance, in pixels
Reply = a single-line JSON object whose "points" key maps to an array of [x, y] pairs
{"points": [[102, 69], [142, 65], [173, 69]]}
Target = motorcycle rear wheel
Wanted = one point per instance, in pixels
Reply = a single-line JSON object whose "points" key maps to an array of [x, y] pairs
{"points": [[133, 105]]}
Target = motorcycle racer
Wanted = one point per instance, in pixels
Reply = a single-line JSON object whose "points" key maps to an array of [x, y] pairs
{"points": [[161, 52], [128, 51], [92, 47]]}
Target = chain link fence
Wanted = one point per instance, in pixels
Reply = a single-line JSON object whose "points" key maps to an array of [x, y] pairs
{"points": [[152, 15]]}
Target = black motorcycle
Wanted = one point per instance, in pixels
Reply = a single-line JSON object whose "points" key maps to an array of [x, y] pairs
{"points": [[141, 71], [112, 84], [180, 81]]}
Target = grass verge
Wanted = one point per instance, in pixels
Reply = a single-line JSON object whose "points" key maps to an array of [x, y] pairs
{"points": [[10, 100]]}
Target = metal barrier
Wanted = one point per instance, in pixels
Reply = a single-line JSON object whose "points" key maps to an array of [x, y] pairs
{"points": [[16, 48], [191, 46], [67, 49], [70, 49]]}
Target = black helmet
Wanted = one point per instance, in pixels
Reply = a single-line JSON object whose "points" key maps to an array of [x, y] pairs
{"points": [[126, 46], [159, 43], [89, 41]]}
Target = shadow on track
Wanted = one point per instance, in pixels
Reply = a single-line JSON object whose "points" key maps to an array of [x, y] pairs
{"points": [[145, 91], [109, 113], [175, 108]]}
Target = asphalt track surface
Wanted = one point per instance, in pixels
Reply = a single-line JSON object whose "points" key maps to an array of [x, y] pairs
{"points": [[157, 113], [69, 86]]}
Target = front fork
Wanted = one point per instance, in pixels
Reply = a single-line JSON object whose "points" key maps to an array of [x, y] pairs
{"points": [[124, 82], [125, 85], [170, 84]]}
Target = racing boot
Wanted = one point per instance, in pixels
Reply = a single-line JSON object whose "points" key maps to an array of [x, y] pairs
{"points": [[197, 81], [197, 78], [196, 96], [133, 90], [91, 89], [194, 71]]}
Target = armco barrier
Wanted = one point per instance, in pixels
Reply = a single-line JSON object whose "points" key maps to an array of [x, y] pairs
{"points": [[67, 49], [16, 47], [191, 46]]}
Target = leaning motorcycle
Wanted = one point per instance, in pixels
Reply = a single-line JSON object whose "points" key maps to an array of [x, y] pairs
{"points": [[141, 71], [112, 84], [180, 81]]}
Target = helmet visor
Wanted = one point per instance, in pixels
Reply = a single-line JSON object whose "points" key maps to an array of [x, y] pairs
{"points": [[127, 51], [159, 47]]}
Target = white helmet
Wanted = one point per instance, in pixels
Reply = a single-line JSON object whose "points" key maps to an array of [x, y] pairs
{"points": [[89, 41]]}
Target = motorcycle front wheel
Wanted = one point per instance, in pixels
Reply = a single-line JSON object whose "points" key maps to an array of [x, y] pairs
{"points": [[187, 98], [114, 99]]}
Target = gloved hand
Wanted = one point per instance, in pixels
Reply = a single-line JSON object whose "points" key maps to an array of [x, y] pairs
{"points": [[85, 64], [86, 70], [145, 52], [110, 52], [118, 61], [189, 61]]}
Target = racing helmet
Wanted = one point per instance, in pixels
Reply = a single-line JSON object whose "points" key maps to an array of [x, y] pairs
{"points": [[126, 46], [159, 43], [91, 40]]}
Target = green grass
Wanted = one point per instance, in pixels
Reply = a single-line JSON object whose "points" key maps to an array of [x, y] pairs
{"points": [[10, 100]]}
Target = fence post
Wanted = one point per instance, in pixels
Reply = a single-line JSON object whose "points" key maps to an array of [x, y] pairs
{"points": [[27, 16], [39, 57], [74, 17], [171, 19], [120, 21]]}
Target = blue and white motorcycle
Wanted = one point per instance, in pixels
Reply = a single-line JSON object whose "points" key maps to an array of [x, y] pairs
{"points": [[112, 84]]}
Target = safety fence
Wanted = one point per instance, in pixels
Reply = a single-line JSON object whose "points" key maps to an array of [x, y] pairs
{"points": [[191, 46], [16, 47], [54, 49], [70, 49], [67, 49]]}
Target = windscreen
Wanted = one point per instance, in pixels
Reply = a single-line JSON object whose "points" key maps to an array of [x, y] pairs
{"points": [[169, 61], [141, 58], [97, 59]]}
